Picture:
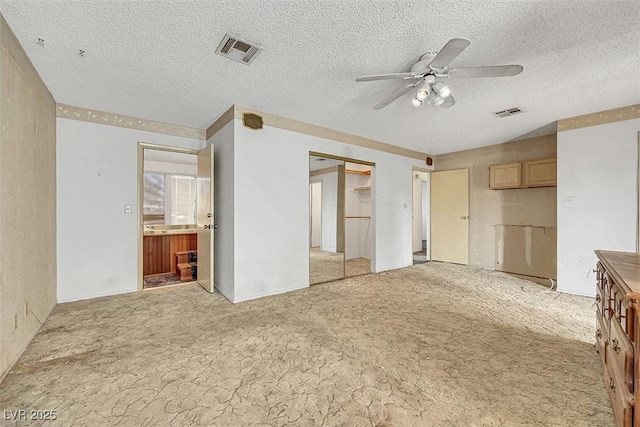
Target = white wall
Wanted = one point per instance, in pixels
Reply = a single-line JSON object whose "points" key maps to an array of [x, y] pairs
{"points": [[96, 176], [597, 202], [223, 210], [271, 197], [329, 209]]}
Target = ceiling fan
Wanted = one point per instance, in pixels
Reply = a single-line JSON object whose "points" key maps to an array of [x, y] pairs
{"points": [[425, 74]]}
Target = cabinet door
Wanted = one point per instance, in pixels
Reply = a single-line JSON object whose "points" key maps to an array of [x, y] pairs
{"points": [[540, 173], [505, 176]]}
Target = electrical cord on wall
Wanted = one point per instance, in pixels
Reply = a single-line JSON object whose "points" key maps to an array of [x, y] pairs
{"points": [[34, 315], [526, 289]]}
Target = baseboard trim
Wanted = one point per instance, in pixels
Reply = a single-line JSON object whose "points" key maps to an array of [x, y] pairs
{"points": [[223, 293], [392, 268], [278, 292], [577, 293], [33, 335], [108, 294]]}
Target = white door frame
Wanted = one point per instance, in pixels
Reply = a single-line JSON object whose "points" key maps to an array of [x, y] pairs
{"points": [[141, 147]]}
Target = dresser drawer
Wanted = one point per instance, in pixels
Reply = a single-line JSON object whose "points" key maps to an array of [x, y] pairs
{"points": [[623, 313], [599, 298], [621, 399], [602, 336], [620, 355]]}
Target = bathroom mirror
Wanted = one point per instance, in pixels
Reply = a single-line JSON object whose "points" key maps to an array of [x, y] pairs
{"points": [[326, 219]]}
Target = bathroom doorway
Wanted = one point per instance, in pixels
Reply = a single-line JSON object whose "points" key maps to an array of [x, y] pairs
{"points": [[168, 242]]}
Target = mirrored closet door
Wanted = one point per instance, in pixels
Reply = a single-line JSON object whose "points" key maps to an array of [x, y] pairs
{"points": [[326, 219], [358, 224]]}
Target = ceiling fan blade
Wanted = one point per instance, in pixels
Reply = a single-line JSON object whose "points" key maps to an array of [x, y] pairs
{"points": [[494, 71], [392, 97], [448, 102], [393, 76], [449, 52]]}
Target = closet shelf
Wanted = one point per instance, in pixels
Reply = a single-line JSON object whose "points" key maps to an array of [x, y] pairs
{"points": [[357, 217], [357, 172], [365, 188]]}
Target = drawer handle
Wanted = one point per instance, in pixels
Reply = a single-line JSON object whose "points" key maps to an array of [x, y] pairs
{"points": [[612, 384], [614, 345], [598, 299]]}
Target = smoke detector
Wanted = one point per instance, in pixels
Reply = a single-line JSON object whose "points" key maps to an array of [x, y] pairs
{"points": [[239, 50], [508, 112]]}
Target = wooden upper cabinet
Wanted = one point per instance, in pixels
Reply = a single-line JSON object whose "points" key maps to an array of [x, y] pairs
{"points": [[540, 173], [505, 176]]}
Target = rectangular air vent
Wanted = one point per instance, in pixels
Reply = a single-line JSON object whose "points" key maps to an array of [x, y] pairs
{"points": [[238, 50], [508, 112]]}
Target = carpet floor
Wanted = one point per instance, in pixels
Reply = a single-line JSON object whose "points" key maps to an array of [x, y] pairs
{"points": [[327, 266], [429, 345], [158, 280]]}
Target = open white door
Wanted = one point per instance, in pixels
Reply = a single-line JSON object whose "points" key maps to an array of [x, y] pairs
{"points": [[450, 216], [205, 219]]}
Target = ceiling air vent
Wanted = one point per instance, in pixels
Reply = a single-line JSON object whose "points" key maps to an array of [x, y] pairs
{"points": [[238, 50], [508, 112]]}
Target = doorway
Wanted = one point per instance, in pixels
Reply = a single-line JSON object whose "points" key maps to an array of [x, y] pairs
{"points": [[450, 216], [420, 211], [174, 238]]}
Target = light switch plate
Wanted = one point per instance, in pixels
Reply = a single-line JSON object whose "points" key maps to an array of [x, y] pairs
{"points": [[127, 209]]}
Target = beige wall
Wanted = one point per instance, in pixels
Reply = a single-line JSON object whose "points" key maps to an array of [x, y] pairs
{"points": [[27, 200], [488, 208]]}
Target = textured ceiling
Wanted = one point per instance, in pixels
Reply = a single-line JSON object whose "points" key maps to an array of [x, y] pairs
{"points": [[156, 60]]}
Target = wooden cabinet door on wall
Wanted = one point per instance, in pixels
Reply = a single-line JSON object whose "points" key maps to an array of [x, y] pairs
{"points": [[540, 173], [505, 176]]}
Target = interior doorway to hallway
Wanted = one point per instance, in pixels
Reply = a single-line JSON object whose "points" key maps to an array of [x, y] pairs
{"points": [[420, 209]]}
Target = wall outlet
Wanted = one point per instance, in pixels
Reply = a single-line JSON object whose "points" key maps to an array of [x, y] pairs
{"points": [[127, 209], [15, 321]]}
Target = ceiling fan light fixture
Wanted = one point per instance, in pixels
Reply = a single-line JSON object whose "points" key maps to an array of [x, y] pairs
{"points": [[416, 102], [435, 99], [423, 91], [442, 89]]}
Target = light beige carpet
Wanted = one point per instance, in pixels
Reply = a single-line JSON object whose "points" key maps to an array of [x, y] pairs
{"points": [[429, 345], [327, 266]]}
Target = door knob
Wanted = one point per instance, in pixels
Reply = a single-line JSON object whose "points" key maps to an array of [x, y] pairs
{"points": [[215, 226], [464, 217], [207, 226]]}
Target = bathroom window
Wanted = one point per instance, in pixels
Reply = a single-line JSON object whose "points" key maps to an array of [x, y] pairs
{"points": [[154, 198], [181, 199], [169, 199]]}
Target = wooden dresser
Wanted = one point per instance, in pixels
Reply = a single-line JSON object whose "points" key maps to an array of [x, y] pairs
{"points": [[618, 331]]}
